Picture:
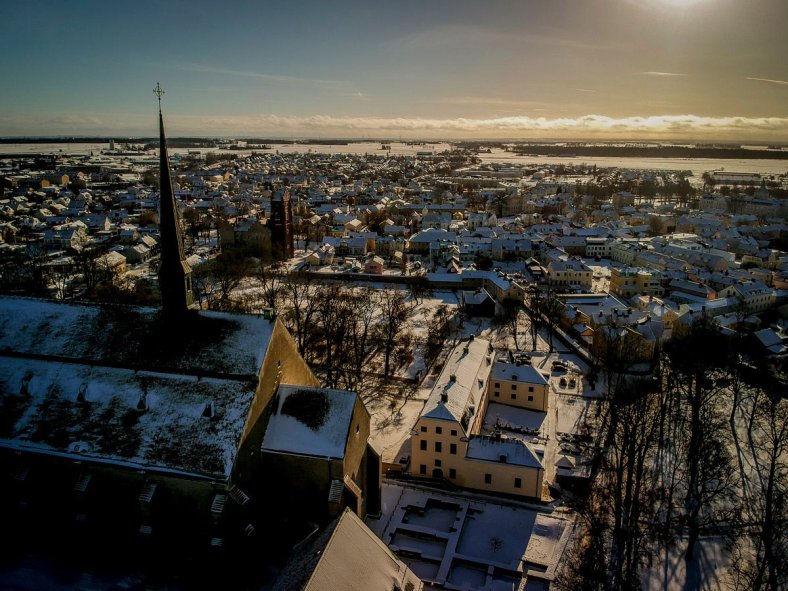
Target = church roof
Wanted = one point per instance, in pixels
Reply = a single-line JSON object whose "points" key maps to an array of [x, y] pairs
{"points": [[140, 419], [210, 343], [116, 384]]}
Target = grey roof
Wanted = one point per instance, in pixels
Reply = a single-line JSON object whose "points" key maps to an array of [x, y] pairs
{"points": [[141, 419], [492, 449], [528, 374], [354, 559]]}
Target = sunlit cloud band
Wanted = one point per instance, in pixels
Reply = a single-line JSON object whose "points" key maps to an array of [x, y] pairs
{"points": [[591, 123], [321, 125]]}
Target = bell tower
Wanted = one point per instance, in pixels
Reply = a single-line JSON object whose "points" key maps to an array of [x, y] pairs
{"points": [[281, 225]]}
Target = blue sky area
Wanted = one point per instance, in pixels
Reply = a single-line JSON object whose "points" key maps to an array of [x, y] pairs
{"points": [[563, 68]]}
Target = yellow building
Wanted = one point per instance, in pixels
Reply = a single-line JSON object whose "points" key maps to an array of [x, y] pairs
{"points": [[631, 281], [446, 441], [519, 385]]}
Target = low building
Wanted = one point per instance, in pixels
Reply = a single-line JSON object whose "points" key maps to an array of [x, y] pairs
{"points": [[477, 303], [323, 255], [246, 233], [569, 274], [598, 247], [374, 265], [518, 384]]}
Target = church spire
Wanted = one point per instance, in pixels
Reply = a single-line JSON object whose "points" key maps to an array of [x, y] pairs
{"points": [[175, 274]]}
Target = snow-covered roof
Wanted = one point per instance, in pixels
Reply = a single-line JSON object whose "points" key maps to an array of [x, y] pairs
{"points": [[310, 421], [116, 384], [145, 420], [502, 450], [461, 382], [517, 373], [208, 343]]}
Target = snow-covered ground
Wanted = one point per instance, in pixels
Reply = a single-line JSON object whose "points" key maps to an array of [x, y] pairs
{"points": [[707, 572]]}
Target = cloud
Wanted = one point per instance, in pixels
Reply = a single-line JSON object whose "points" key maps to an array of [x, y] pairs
{"points": [[769, 80], [664, 74], [679, 126]]}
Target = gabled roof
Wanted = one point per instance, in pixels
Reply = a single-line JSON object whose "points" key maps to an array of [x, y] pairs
{"points": [[347, 556], [461, 382]]}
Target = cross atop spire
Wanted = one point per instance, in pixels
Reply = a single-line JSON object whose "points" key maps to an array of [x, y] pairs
{"points": [[158, 91]]}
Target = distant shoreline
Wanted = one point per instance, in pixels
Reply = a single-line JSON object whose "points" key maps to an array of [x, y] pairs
{"points": [[563, 149]]}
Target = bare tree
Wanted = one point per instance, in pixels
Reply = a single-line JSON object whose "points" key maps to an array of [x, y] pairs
{"points": [[300, 315], [363, 304], [760, 554], [269, 278], [511, 318], [394, 314], [709, 494]]}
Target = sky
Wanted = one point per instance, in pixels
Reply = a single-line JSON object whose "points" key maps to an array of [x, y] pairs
{"points": [[442, 69]]}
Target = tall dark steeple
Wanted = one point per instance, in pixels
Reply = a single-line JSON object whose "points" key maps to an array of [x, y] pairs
{"points": [[175, 274]]}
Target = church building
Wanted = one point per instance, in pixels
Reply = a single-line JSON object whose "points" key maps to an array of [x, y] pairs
{"points": [[170, 433]]}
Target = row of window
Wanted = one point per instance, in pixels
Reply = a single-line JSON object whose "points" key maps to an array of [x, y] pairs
{"points": [[438, 447], [518, 482], [514, 386], [439, 430], [513, 396]]}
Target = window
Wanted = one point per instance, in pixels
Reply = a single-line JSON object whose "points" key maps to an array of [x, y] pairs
{"points": [[518, 483], [423, 429], [514, 396], [530, 399], [452, 473], [423, 445], [497, 394], [453, 448], [497, 384], [439, 430], [423, 469], [454, 432], [438, 447], [530, 388], [514, 386], [437, 463], [488, 479]]}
